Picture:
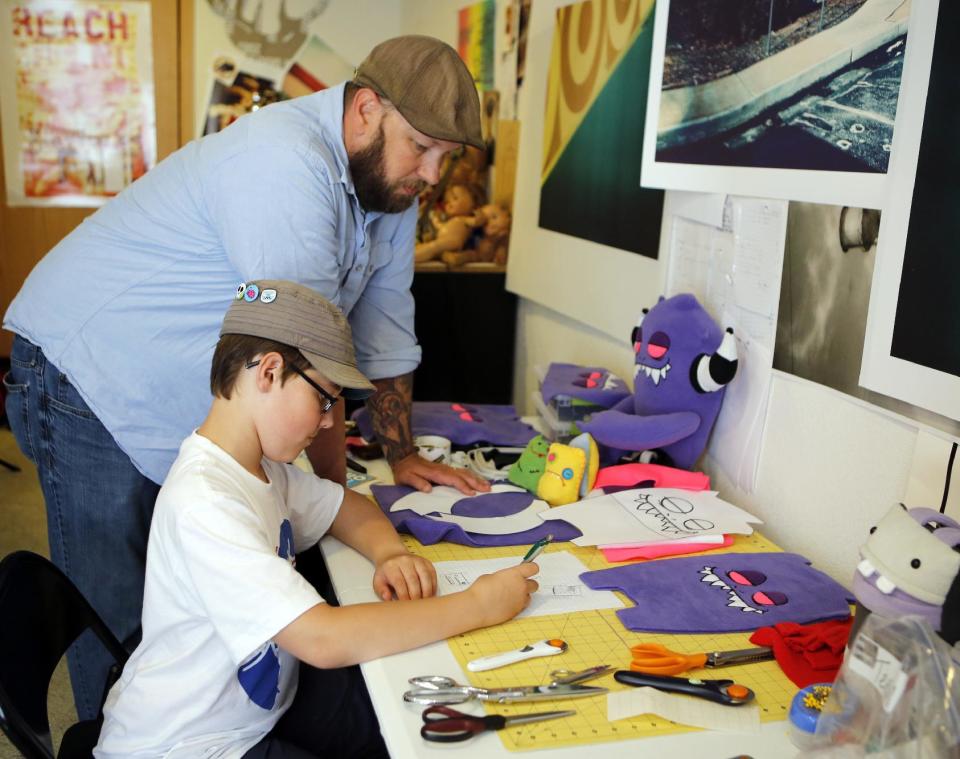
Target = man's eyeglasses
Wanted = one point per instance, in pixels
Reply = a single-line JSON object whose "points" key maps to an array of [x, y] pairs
{"points": [[329, 401]]}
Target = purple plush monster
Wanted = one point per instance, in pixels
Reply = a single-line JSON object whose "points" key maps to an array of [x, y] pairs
{"points": [[683, 363]]}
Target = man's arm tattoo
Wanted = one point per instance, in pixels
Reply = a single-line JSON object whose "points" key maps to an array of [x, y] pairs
{"points": [[390, 409]]}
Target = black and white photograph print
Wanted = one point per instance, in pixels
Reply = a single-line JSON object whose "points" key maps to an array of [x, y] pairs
{"points": [[792, 99]]}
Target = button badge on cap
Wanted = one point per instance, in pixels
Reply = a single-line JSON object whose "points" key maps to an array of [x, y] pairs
{"points": [[251, 293], [240, 290], [268, 296]]}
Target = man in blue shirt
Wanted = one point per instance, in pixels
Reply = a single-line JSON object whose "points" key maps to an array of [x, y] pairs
{"points": [[116, 325]]}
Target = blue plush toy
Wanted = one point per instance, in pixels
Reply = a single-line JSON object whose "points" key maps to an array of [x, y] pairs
{"points": [[684, 360]]}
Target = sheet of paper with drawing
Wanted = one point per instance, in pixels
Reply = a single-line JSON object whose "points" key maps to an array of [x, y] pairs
{"points": [[561, 589], [652, 514]]}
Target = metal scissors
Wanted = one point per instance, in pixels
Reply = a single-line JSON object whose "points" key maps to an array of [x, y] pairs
{"points": [[442, 724], [569, 676], [432, 690], [722, 691], [655, 659]]}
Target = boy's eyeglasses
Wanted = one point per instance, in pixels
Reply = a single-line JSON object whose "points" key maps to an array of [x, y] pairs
{"points": [[329, 401]]}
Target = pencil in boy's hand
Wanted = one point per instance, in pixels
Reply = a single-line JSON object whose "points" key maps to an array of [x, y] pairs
{"points": [[536, 549]]}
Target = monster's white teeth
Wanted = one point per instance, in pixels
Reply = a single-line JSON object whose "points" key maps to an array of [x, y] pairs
{"points": [[651, 372], [866, 568], [736, 601], [885, 586]]}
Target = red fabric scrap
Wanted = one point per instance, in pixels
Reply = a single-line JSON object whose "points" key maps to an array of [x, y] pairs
{"points": [[807, 654]]}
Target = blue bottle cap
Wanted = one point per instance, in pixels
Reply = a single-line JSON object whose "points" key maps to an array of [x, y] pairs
{"points": [[804, 716]]}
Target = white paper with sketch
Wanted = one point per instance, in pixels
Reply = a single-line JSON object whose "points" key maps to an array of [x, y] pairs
{"points": [[652, 515], [561, 590]]}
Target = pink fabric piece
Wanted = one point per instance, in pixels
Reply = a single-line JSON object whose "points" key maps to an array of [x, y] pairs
{"points": [[658, 550], [662, 476]]}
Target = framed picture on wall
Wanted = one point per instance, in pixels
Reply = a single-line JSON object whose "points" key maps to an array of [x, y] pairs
{"points": [[790, 99], [912, 346]]}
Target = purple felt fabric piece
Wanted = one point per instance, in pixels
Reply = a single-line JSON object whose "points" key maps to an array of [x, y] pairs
{"points": [[429, 531], [673, 336], [460, 423], [729, 592], [572, 380]]}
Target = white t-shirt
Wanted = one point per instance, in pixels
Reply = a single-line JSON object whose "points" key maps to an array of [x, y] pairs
{"points": [[207, 680]]}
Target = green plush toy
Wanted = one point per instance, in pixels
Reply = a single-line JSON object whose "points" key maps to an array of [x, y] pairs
{"points": [[527, 470]]}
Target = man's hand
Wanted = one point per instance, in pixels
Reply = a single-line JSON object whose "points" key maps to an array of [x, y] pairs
{"points": [[417, 472], [405, 577]]}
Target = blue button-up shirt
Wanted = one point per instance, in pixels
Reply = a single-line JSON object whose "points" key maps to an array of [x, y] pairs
{"points": [[129, 304]]}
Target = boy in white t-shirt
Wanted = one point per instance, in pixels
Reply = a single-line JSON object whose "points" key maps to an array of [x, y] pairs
{"points": [[226, 616]]}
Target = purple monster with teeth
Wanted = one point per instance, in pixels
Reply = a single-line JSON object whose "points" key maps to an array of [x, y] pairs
{"points": [[684, 361]]}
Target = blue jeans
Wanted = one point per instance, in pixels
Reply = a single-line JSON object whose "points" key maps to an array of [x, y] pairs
{"points": [[98, 508]]}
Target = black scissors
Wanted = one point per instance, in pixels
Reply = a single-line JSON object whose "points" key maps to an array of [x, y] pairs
{"points": [[442, 724], [722, 691]]}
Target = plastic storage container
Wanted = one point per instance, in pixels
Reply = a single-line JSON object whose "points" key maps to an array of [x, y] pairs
{"points": [[565, 407], [554, 429], [804, 715]]}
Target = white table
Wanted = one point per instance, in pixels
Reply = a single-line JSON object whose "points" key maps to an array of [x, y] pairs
{"points": [[400, 722]]}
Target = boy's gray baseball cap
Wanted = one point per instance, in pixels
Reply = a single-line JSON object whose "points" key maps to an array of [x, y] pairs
{"points": [[428, 83], [297, 316]]}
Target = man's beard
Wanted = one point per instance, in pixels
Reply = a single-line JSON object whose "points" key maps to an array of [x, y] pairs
{"points": [[373, 191]]}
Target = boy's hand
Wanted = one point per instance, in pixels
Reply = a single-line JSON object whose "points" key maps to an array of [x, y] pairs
{"points": [[417, 472], [405, 577], [504, 594]]}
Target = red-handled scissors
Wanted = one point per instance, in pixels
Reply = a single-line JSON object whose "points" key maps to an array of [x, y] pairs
{"points": [[442, 724]]}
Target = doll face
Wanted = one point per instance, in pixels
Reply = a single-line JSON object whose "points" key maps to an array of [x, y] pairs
{"points": [[498, 221], [457, 201]]}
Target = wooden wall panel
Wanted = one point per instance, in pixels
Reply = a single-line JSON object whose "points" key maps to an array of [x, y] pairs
{"points": [[26, 234]]}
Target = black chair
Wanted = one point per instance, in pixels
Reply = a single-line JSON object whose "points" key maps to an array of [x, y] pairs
{"points": [[41, 614]]}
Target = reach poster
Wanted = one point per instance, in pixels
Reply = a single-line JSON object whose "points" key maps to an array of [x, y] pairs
{"points": [[76, 99]]}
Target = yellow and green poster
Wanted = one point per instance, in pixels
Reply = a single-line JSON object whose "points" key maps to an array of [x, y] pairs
{"points": [[593, 126]]}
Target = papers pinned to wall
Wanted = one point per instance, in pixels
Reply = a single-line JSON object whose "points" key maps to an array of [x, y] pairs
{"points": [[652, 514], [734, 269]]}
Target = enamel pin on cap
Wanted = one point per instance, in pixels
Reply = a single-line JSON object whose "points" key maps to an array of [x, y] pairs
{"points": [[250, 293], [268, 295]]}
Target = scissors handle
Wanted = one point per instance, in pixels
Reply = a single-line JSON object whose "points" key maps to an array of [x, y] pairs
{"points": [[445, 725], [431, 697], [722, 691], [654, 659]]}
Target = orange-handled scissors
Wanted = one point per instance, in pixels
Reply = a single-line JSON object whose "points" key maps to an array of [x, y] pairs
{"points": [[654, 659]]}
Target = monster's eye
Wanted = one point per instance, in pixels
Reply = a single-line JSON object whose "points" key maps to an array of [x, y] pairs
{"points": [[770, 598], [659, 344], [915, 563], [873, 529], [567, 473], [747, 577]]}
